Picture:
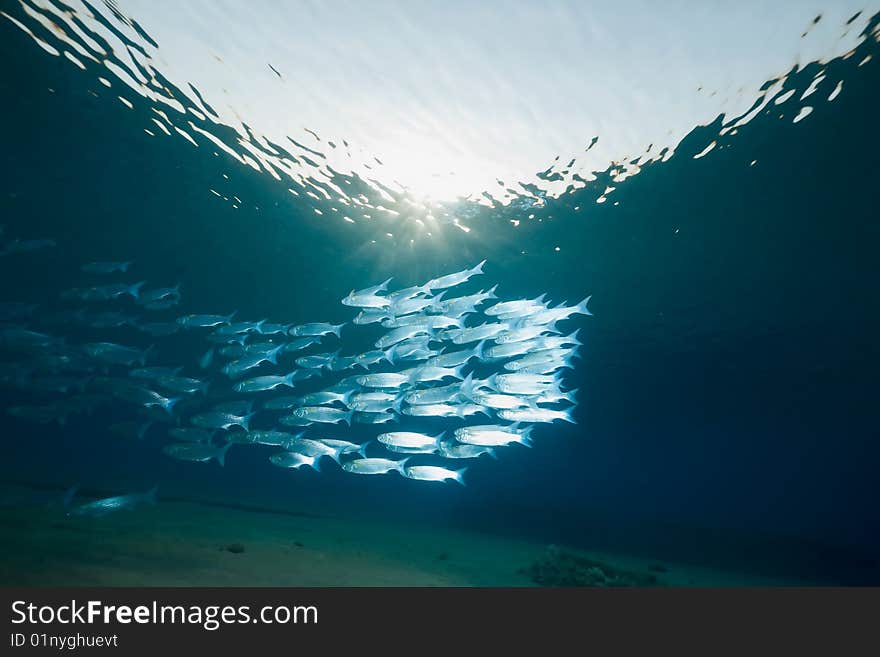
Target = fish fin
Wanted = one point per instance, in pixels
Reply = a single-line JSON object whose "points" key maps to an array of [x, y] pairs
{"points": [[480, 350], [168, 404], [135, 290], [151, 496], [145, 356], [582, 306], [273, 354], [142, 431], [69, 494], [220, 455]]}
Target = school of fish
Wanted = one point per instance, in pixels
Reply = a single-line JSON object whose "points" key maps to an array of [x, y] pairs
{"points": [[449, 376]]}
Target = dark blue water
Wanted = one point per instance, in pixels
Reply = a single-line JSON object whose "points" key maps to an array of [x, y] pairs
{"points": [[728, 375]]}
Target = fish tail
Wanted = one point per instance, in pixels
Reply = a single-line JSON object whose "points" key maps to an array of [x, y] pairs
{"points": [[273, 355], [337, 329], [220, 456], [398, 403], [142, 430], [478, 269], [151, 496], [363, 449], [491, 292], [69, 494], [123, 267], [146, 354], [582, 306], [168, 404], [316, 463], [480, 350], [135, 290], [493, 453], [573, 338], [466, 387], [348, 416], [567, 415], [459, 476], [389, 355]]}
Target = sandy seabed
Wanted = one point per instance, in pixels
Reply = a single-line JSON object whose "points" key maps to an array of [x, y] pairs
{"points": [[178, 543]]}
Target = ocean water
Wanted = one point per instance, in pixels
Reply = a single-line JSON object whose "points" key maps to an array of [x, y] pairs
{"points": [[726, 385]]}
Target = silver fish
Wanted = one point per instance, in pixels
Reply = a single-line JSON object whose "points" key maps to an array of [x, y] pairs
{"points": [[451, 280], [107, 505], [516, 306], [536, 415], [294, 460], [204, 321], [409, 439], [373, 466], [383, 380], [453, 450], [400, 334], [198, 452], [477, 333], [492, 435], [322, 414], [220, 420], [117, 354], [316, 329], [267, 382], [434, 473]]}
